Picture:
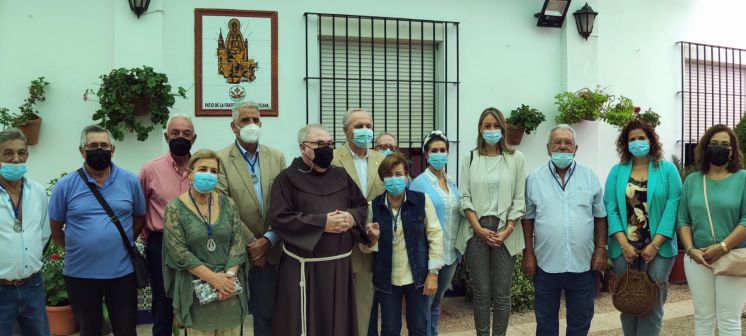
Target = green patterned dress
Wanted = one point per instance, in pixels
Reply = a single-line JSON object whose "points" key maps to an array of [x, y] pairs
{"points": [[185, 247]]}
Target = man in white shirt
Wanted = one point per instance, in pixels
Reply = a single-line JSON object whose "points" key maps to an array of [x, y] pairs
{"points": [[24, 232]]}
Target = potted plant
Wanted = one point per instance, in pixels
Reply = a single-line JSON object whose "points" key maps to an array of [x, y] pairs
{"points": [[59, 312], [125, 94], [574, 107], [677, 275], [28, 120], [650, 117], [523, 119], [620, 113]]}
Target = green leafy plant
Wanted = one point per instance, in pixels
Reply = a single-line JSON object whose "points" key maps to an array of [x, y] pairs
{"points": [[650, 117], [574, 107], [120, 91], [620, 113], [36, 92], [54, 283], [740, 131], [53, 182], [526, 117], [684, 171]]}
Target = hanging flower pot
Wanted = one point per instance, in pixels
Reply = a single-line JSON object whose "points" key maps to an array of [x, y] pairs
{"points": [[514, 134], [61, 320], [31, 129]]}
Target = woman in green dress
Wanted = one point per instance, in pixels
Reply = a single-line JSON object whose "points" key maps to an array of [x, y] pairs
{"points": [[202, 240]]}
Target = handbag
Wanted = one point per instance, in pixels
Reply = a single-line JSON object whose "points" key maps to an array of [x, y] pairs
{"points": [[732, 263], [139, 263], [635, 294]]}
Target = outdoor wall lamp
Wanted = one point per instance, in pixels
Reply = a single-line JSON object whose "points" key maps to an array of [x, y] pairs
{"points": [[584, 19], [139, 6], [552, 13]]}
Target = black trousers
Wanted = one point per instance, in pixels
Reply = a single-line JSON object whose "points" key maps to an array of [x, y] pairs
{"points": [[162, 309], [120, 296]]}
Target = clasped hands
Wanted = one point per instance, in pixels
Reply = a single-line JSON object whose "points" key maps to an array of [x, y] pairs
{"points": [[339, 222], [493, 238], [630, 253], [224, 284], [708, 255]]}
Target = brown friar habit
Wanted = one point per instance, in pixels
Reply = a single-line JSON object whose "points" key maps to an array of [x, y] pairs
{"points": [[299, 203]]}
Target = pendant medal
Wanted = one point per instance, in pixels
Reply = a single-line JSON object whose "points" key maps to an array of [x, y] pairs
{"points": [[17, 227], [254, 179], [211, 245]]}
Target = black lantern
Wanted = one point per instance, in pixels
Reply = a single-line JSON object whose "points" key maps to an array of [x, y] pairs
{"points": [[584, 19], [139, 6]]}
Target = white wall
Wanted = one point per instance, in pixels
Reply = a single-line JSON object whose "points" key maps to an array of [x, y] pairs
{"points": [[505, 61]]}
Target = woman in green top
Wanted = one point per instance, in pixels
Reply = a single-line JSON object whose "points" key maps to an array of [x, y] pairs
{"points": [[203, 241], [719, 297]]}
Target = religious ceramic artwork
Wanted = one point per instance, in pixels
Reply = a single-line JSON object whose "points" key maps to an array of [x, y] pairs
{"points": [[235, 60]]}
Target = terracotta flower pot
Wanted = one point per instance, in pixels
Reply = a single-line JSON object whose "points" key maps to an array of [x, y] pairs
{"points": [[514, 134], [678, 276], [61, 320], [31, 129], [142, 105]]}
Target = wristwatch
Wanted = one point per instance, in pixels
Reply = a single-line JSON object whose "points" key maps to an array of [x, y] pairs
{"points": [[724, 246]]}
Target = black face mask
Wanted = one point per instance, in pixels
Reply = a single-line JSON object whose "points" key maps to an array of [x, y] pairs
{"points": [[323, 157], [98, 159], [179, 146], [717, 155]]}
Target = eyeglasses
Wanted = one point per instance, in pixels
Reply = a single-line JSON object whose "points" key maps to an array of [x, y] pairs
{"points": [[719, 144], [95, 146], [560, 143], [392, 148], [320, 144]]}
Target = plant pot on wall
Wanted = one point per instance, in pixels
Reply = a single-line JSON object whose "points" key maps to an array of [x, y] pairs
{"points": [[514, 134], [61, 320], [678, 276], [31, 129], [142, 105]]}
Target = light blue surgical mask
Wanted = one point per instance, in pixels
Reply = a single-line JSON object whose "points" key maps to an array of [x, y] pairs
{"points": [[395, 185], [387, 152], [492, 136], [362, 137], [13, 171], [562, 160], [639, 148], [437, 160], [204, 182]]}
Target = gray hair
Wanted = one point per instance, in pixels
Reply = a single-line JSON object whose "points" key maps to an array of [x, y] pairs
{"points": [[306, 130], [10, 134], [348, 114], [378, 138], [92, 129], [180, 116], [237, 108], [564, 127]]}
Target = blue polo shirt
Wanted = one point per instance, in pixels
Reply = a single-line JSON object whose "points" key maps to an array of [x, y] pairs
{"points": [[93, 245]]}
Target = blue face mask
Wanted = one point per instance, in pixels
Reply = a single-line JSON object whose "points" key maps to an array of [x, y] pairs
{"points": [[362, 137], [13, 171], [562, 160], [204, 182], [395, 185], [437, 160], [639, 148], [387, 152], [492, 136]]}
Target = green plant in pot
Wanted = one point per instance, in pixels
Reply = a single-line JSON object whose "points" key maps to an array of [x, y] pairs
{"points": [[620, 113], [523, 119], [28, 120], [574, 107], [125, 94], [650, 117]]}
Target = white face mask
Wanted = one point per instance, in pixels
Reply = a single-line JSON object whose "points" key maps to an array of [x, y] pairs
{"points": [[250, 133]]}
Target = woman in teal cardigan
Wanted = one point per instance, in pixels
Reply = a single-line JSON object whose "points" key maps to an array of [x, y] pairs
{"points": [[642, 197]]}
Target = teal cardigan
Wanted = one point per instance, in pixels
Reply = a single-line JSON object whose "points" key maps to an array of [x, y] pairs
{"points": [[664, 191]]}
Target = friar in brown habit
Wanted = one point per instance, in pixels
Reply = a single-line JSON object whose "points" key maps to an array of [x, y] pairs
{"points": [[320, 214]]}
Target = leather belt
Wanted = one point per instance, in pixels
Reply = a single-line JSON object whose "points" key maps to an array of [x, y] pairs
{"points": [[17, 283]]}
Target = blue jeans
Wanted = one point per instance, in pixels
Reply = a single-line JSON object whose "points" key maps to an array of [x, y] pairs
{"points": [[262, 282], [162, 309], [433, 302], [25, 304], [391, 310], [658, 271], [579, 295]]}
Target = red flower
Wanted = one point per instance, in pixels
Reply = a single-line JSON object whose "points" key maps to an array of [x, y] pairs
{"points": [[55, 257], [637, 109]]}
